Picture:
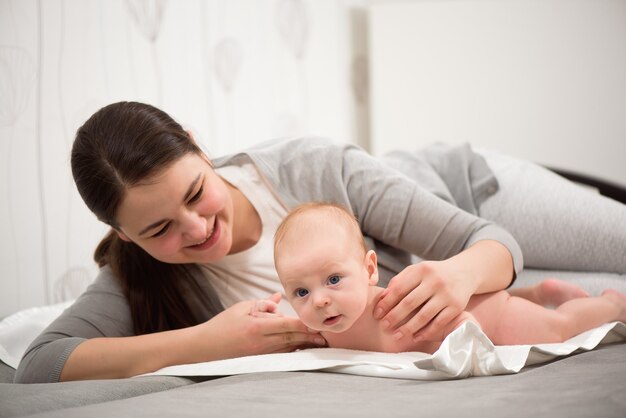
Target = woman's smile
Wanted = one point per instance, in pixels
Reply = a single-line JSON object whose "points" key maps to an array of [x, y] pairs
{"points": [[210, 240]]}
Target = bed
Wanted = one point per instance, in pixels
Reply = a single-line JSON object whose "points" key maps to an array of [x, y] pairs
{"points": [[583, 383], [587, 384]]}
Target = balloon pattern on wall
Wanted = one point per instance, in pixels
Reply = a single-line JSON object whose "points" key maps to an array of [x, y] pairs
{"points": [[235, 72]]}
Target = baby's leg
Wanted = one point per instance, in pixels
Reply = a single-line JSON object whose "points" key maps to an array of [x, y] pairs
{"points": [[620, 300], [461, 318], [550, 292], [511, 320], [433, 344]]}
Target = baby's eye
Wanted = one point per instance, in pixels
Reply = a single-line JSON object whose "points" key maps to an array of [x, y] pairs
{"points": [[334, 279], [301, 293]]}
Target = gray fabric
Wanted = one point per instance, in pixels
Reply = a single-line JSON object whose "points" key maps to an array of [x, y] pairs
{"points": [[589, 384], [394, 211], [558, 224], [453, 173], [7, 373], [594, 283], [18, 400], [392, 207]]}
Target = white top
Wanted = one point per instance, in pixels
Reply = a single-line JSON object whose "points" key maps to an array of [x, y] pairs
{"points": [[250, 274]]}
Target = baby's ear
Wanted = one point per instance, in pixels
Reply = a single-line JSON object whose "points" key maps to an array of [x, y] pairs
{"points": [[371, 263]]}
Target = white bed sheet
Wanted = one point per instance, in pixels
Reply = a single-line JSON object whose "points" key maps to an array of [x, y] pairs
{"points": [[465, 352], [18, 330]]}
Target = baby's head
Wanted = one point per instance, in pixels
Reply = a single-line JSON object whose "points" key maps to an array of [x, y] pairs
{"points": [[324, 266]]}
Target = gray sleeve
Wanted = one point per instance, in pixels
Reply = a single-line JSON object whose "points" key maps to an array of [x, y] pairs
{"points": [[390, 206], [396, 210], [101, 311]]}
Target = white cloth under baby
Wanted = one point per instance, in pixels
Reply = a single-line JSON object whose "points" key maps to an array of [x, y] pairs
{"points": [[465, 352]]}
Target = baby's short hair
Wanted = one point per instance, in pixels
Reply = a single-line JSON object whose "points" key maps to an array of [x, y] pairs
{"points": [[334, 211]]}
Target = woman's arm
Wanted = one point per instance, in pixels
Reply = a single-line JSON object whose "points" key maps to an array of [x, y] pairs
{"points": [[94, 338], [232, 333], [441, 289], [467, 254], [393, 208]]}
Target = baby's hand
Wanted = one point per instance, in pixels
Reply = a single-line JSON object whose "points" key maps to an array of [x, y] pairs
{"points": [[266, 307]]}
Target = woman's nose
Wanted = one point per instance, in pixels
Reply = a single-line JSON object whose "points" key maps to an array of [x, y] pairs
{"points": [[194, 227]]}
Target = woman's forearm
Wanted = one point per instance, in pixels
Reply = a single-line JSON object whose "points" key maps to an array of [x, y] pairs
{"points": [[231, 333], [109, 358], [491, 265]]}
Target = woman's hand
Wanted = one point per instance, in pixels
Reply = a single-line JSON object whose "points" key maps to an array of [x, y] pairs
{"points": [[243, 330], [425, 297]]}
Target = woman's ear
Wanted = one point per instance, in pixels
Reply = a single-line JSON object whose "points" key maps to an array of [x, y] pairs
{"points": [[122, 235], [371, 263]]}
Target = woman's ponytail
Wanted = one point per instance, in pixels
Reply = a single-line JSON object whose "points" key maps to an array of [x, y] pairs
{"points": [[155, 290]]}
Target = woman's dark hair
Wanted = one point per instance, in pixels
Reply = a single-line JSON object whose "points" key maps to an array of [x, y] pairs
{"points": [[119, 146]]}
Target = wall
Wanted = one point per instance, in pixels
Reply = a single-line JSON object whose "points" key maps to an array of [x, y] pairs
{"points": [[235, 72], [541, 79]]}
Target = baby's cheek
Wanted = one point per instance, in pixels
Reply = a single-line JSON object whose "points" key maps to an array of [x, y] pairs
{"points": [[305, 316]]}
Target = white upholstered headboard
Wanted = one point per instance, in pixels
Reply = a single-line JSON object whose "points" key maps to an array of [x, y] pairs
{"points": [[541, 79]]}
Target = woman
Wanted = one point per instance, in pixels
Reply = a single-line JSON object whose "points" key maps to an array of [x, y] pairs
{"points": [[190, 246]]}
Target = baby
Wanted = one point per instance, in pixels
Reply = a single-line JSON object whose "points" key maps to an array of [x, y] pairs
{"points": [[330, 280]]}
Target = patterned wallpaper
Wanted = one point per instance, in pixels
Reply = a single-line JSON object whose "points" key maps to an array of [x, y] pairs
{"points": [[234, 72]]}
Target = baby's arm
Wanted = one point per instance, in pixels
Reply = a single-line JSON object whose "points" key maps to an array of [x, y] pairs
{"points": [[267, 307]]}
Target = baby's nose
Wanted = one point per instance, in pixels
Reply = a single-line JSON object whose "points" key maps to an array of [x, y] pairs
{"points": [[321, 299]]}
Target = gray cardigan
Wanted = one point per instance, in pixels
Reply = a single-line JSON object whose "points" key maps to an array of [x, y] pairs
{"points": [[407, 204]]}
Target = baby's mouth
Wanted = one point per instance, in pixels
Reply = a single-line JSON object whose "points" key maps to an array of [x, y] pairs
{"points": [[332, 320]]}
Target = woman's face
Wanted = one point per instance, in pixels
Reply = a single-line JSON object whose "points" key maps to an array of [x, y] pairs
{"points": [[182, 215]]}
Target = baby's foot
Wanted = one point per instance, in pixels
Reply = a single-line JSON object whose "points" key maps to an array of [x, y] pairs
{"points": [[619, 299], [554, 292]]}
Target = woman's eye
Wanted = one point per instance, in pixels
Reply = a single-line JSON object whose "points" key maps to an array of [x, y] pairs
{"points": [[197, 196], [161, 231], [334, 279], [301, 293]]}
